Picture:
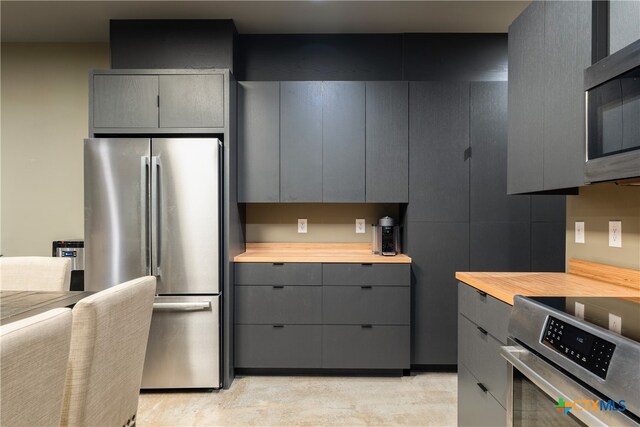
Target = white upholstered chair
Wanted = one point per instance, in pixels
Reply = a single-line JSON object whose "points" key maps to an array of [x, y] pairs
{"points": [[108, 345], [33, 365], [35, 273]]}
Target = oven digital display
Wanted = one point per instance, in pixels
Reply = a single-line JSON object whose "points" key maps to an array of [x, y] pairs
{"points": [[585, 349]]}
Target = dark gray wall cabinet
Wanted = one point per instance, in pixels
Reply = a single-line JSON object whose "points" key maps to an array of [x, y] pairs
{"points": [[125, 101], [191, 101], [624, 23], [358, 319], [549, 48]]}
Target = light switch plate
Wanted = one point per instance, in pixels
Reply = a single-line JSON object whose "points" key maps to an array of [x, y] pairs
{"points": [[360, 226], [579, 310], [615, 323], [579, 231], [302, 225], [615, 234]]}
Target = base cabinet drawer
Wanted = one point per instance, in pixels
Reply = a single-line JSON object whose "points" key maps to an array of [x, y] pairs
{"points": [[356, 305], [366, 274], [476, 407], [268, 273], [484, 310], [281, 346], [297, 305], [366, 347]]}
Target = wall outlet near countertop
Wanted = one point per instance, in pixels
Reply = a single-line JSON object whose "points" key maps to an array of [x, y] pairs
{"points": [[302, 225], [360, 226], [579, 310], [615, 323], [579, 231], [615, 234]]}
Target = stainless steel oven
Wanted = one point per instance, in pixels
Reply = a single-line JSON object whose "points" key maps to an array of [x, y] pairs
{"points": [[566, 371], [612, 99]]}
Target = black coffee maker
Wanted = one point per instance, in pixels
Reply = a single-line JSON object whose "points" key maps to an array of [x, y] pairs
{"points": [[386, 237]]}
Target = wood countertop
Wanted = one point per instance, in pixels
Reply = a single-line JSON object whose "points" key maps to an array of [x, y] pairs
{"points": [[316, 252], [583, 279]]}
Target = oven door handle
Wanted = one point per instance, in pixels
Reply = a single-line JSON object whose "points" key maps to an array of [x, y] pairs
{"points": [[556, 385]]}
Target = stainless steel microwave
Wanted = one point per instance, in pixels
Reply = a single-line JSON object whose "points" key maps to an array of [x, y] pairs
{"points": [[612, 96]]}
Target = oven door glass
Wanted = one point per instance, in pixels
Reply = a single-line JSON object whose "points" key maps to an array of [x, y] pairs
{"points": [[532, 407]]}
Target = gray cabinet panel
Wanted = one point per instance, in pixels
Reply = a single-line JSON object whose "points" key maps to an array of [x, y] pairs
{"points": [[485, 311], [289, 346], [125, 101], [278, 305], [438, 250], [375, 305], [387, 142], [439, 136], [488, 193], [566, 27], [526, 81], [624, 23], [500, 246], [343, 142], [548, 246], [259, 142], [547, 208], [191, 101], [301, 141], [366, 274], [357, 347], [480, 409], [278, 273]]}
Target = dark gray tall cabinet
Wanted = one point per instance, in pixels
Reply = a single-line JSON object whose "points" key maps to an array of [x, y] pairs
{"points": [[624, 23], [549, 48]]}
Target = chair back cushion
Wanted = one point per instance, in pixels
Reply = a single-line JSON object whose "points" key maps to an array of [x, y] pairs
{"points": [[108, 345], [35, 273], [33, 364]]}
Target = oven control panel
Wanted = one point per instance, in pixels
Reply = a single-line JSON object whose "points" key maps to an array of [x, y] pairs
{"points": [[587, 350]]}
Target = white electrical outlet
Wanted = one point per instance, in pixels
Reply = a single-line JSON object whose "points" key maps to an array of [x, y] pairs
{"points": [[615, 234], [360, 226], [579, 310], [302, 225], [615, 323], [579, 231]]}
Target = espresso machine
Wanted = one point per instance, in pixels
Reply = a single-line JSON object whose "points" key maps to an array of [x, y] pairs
{"points": [[386, 237]]}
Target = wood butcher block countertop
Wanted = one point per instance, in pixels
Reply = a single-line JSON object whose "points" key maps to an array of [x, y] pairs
{"points": [[317, 252], [583, 279]]}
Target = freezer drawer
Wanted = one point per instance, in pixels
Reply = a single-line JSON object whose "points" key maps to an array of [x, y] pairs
{"points": [[183, 350]]}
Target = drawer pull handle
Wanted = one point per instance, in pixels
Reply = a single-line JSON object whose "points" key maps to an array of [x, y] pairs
{"points": [[483, 330], [482, 294], [278, 286], [366, 287], [367, 264], [482, 387], [278, 326], [367, 326], [278, 263]]}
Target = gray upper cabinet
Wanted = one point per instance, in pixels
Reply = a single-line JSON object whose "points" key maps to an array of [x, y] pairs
{"points": [[439, 136], [525, 132], [549, 48], [191, 101], [125, 101], [259, 142], [343, 142], [301, 141], [624, 23], [387, 142]]}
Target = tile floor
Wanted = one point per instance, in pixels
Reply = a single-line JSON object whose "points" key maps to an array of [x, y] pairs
{"points": [[425, 399]]}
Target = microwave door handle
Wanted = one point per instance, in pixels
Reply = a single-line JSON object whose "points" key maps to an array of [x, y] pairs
{"points": [[145, 243], [514, 355], [155, 216]]}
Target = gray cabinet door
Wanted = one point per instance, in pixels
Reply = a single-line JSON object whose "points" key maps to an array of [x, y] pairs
{"points": [[191, 101], [278, 346], [125, 101], [624, 23], [301, 141], [366, 274], [526, 91], [387, 142], [268, 274], [374, 305], [343, 142], [268, 305], [488, 194], [500, 246], [480, 409], [438, 138], [567, 52], [258, 142]]}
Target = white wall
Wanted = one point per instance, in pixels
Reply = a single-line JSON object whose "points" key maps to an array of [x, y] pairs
{"points": [[43, 116]]}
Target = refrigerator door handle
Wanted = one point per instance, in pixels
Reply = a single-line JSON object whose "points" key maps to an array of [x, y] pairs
{"points": [[155, 216], [182, 306], [145, 237]]}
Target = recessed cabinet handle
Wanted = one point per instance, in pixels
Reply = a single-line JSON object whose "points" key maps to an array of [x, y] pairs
{"points": [[366, 287], [483, 330], [482, 294], [367, 264], [278, 286], [278, 326], [367, 326], [278, 263], [482, 387]]}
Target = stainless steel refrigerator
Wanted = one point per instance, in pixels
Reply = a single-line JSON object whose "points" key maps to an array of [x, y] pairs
{"points": [[152, 207]]}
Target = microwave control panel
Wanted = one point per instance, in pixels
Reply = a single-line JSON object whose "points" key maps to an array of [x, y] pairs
{"points": [[585, 349]]}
